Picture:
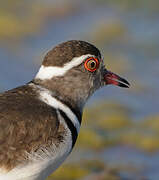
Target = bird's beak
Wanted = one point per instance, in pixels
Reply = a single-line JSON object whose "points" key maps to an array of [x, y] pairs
{"points": [[112, 78]]}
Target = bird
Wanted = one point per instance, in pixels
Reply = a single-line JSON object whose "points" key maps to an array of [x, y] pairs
{"points": [[40, 120]]}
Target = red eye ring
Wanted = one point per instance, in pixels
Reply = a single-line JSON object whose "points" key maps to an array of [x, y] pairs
{"points": [[89, 66]]}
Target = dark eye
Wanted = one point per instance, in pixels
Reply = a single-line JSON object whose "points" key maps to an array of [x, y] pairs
{"points": [[91, 64]]}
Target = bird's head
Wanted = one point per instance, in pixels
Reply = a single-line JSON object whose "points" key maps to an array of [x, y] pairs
{"points": [[74, 70]]}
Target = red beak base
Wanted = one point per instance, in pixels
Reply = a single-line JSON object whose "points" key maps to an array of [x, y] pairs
{"points": [[114, 79]]}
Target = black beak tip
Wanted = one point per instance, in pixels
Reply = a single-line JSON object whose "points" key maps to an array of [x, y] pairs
{"points": [[126, 85]]}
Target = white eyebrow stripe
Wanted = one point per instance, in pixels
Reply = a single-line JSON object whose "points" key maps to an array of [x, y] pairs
{"points": [[53, 71]]}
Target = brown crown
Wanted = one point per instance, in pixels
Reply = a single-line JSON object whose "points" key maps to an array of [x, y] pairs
{"points": [[65, 52]]}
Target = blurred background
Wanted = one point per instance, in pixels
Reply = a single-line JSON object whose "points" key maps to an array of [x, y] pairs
{"points": [[119, 138]]}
